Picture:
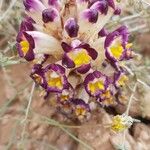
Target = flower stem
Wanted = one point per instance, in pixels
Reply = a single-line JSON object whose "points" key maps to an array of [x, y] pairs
{"points": [[24, 121], [130, 100], [29, 103], [127, 113]]}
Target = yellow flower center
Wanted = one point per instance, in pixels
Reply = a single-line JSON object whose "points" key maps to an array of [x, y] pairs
{"points": [[99, 85], [116, 50], [80, 111], [64, 97], [106, 94], [54, 79], [24, 46], [122, 80], [80, 57], [55, 82]]}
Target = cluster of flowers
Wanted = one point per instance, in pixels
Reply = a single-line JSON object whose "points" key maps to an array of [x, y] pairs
{"points": [[72, 31]]}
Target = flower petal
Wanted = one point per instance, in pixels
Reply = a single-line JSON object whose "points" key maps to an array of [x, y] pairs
{"points": [[45, 44], [71, 27], [67, 62], [84, 69], [49, 15], [91, 15], [100, 6], [33, 5]]}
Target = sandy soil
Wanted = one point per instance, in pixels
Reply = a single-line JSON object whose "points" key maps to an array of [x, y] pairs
{"points": [[41, 135]]}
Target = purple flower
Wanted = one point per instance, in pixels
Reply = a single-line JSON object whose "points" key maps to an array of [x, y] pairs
{"points": [[56, 80], [25, 45], [66, 95], [81, 109], [116, 46], [71, 27], [49, 15], [95, 83], [37, 75], [120, 79], [78, 55]]}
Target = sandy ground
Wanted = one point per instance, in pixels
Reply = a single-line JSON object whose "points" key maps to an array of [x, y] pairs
{"points": [[36, 134]]}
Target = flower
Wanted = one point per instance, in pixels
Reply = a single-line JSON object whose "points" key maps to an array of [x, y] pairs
{"points": [[116, 46], [122, 122], [52, 78], [25, 45], [55, 77], [66, 95], [78, 56], [81, 109], [120, 79], [37, 75], [96, 83]]}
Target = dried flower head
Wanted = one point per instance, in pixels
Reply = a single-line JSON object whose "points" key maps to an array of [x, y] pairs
{"points": [[122, 122]]}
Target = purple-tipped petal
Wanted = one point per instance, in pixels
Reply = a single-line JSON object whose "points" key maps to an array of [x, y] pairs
{"points": [[103, 32], [56, 68], [66, 47], [110, 38], [100, 6], [91, 51], [27, 24], [91, 15], [84, 69], [111, 3], [117, 11], [49, 15], [72, 27], [35, 5], [54, 3], [67, 62], [37, 75]]}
